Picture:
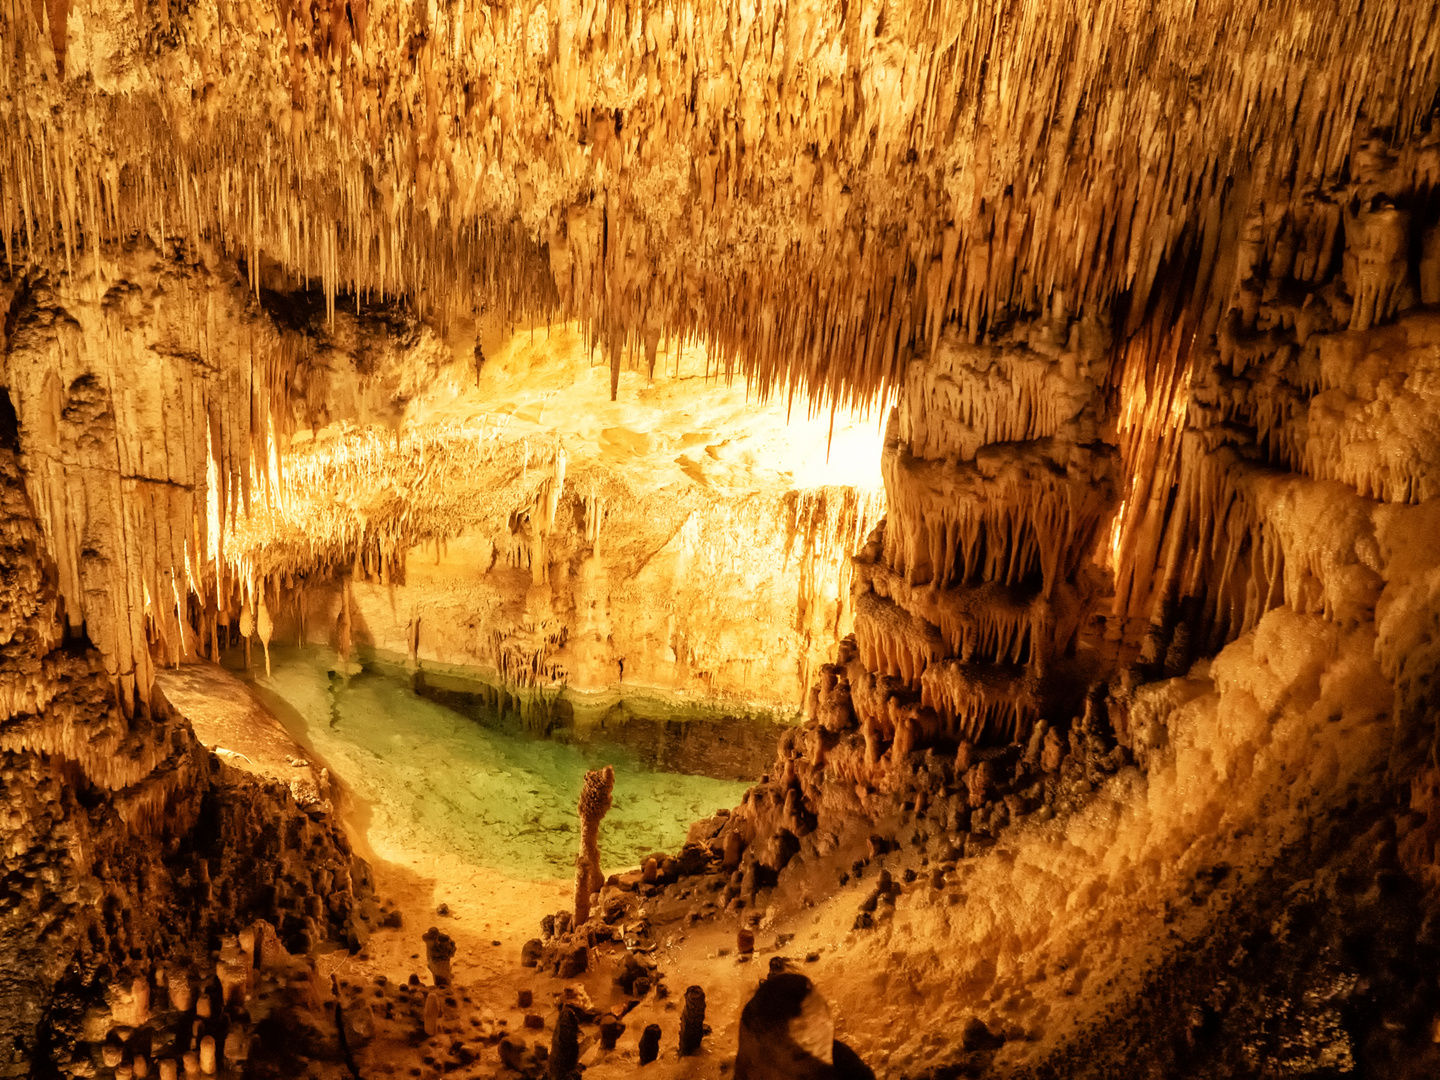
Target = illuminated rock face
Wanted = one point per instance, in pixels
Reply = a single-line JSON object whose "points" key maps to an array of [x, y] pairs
{"points": [[522, 525], [211, 465], [1273, 509], [977, 583]]}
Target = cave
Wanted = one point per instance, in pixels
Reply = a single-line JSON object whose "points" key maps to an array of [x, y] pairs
{"points": [[810, 539]]}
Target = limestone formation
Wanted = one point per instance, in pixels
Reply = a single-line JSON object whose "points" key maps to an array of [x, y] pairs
{"points": [[786, 1030], [692, 1021], [595, 798], [432, 1013], [1040, 400], [199, 832], [611, 1028], [564, 1045], [649, 1044], [439, 950]]}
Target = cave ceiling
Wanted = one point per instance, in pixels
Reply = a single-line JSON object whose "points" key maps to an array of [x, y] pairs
{"points": [[812, 189]]}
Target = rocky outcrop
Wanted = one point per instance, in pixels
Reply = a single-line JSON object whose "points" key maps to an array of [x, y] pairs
{"points": [[786, 1031], [128, 848]]}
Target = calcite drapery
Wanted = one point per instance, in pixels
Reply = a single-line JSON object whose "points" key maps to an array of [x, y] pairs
{"points": [[997, 480]]}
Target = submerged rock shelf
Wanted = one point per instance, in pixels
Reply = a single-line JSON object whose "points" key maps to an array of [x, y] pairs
{"points": [[435, 781], [665, 732]]}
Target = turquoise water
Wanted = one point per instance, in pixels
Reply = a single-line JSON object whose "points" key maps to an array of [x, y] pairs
{"points": [[433, 780]]}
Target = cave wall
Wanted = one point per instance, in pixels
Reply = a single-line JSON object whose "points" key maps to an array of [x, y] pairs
{"points": [[133, 377], [167, 421], [129, 850], [1247, 738], [737, 600]]}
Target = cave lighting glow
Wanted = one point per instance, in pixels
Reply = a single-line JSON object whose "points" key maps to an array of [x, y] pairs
{"points": [[849, 456]]}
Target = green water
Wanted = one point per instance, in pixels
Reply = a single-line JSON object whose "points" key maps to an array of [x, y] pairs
{"points": [[437, 781]]}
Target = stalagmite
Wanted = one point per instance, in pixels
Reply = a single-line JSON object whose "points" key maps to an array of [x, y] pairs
{"points": [[610, 1031], [595, 798], [692, 1021], [786, 1030], [264, 627], [649, 1047], [182, 995], [564, 1045], [439, 951]]}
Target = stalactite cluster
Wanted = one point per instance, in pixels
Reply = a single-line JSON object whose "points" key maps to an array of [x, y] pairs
{"points": [[1288, 437], [811, 189], [1145, 625], [144, 399], [127, 846], [981, 574], [1295, 372]]}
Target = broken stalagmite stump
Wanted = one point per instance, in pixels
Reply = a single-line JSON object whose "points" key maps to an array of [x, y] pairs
{"points": [[692, 1021], [611, 1028], [649, 1044], [564, 1045]]}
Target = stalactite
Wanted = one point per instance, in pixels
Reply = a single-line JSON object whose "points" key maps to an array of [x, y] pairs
{"points": [[956, 222], [1014, 514], [981, 702], [954, 202], [993, 622]]}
